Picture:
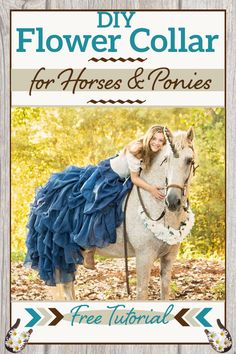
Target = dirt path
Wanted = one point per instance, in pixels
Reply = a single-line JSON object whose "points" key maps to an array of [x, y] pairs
{"points": [[191, 280]]}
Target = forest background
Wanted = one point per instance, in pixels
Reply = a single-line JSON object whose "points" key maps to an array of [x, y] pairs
{"points": [[47, 140]]}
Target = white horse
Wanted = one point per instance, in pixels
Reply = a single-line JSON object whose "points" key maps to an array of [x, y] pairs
{"points": [[172, 169]]}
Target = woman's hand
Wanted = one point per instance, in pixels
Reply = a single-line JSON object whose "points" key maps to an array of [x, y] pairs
{"points": [[153, 189], [155, 192]]}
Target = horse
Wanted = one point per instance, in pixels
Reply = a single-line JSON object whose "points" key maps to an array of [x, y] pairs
{"points": [[172, 168]]}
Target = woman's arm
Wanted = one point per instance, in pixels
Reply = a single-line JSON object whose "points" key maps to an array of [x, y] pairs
{"points": [[139, 182]]}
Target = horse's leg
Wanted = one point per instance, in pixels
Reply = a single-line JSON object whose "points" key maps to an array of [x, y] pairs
{"points": [[62, 291], [69, 290], [166, 267], [144, 262], [57, 292]]}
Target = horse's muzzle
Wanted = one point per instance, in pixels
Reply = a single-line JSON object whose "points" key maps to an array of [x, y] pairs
{"points": [[173, 202]]}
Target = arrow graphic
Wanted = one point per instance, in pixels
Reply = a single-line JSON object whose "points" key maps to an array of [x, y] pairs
{"points": [[202, 314], [190, 317], [47, 316], [35, 318], [179, 317], [186, 317], [58, 315]]}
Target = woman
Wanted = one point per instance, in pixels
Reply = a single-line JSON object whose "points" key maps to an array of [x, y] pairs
{"points": [[80, 208]]}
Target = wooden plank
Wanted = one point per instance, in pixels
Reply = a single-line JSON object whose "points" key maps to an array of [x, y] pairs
{"points": [[231, 172], [132, 349], [22, 5], [96, 4], [154, 4], [35, 349], [4, 174], [56, 349], [99, 348]]}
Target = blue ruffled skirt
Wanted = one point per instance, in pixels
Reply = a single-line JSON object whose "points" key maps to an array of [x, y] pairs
{"points": [[76, 209]]}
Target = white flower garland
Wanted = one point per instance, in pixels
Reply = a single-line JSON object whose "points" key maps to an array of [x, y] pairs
{"points": [[168, 234]]}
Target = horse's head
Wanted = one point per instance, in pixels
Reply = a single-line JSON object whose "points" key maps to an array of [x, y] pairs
{"points": [[180, 167]]}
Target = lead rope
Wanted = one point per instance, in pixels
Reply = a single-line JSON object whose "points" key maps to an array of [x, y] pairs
{"points": [[145, 210], [125, 245]]}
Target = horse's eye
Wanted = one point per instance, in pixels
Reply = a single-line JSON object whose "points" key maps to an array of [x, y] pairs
{"points": [[189, 160]]}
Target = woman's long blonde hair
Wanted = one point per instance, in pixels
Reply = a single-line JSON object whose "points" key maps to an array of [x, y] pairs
{"points": [[141, 148]]}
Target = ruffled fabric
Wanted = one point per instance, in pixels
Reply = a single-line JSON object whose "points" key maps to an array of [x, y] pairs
{"points": [[77, 208]]}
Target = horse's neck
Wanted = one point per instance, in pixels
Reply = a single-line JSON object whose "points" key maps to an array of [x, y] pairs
{"points": [[156, 175]]}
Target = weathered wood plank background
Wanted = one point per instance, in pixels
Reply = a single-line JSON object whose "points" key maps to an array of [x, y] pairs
{"points": [[5, 6]]}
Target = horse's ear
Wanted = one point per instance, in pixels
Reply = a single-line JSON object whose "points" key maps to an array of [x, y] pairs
{"points": [[168, 135], [190, 134]]}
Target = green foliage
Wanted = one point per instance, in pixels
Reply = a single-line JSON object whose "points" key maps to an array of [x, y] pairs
{"points": [[33, 276], [46, 140], [173, 287], [17, 256], [218, 291], [133, 281]]}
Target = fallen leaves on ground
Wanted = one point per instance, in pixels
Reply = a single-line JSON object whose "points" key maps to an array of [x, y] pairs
{"points": [[191, 280]]}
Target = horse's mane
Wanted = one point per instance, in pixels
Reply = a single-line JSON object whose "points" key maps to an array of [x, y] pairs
{"points": [[181, 141]]}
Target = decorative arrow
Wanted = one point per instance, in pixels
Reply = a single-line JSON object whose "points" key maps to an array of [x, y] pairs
{"points": [[58, 315], [202, 314], [44, 316], [35, 318], [186, 317], [179, 317], [189, 317]]}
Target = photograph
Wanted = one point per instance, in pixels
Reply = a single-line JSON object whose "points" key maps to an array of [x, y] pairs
{"points": [[117, 203]]}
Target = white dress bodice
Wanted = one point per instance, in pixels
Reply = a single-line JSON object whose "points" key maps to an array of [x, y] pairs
{"points": [[125, 163]]}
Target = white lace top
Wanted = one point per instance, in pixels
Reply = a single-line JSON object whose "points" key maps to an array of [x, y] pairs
{"points": [[125, 163]]}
